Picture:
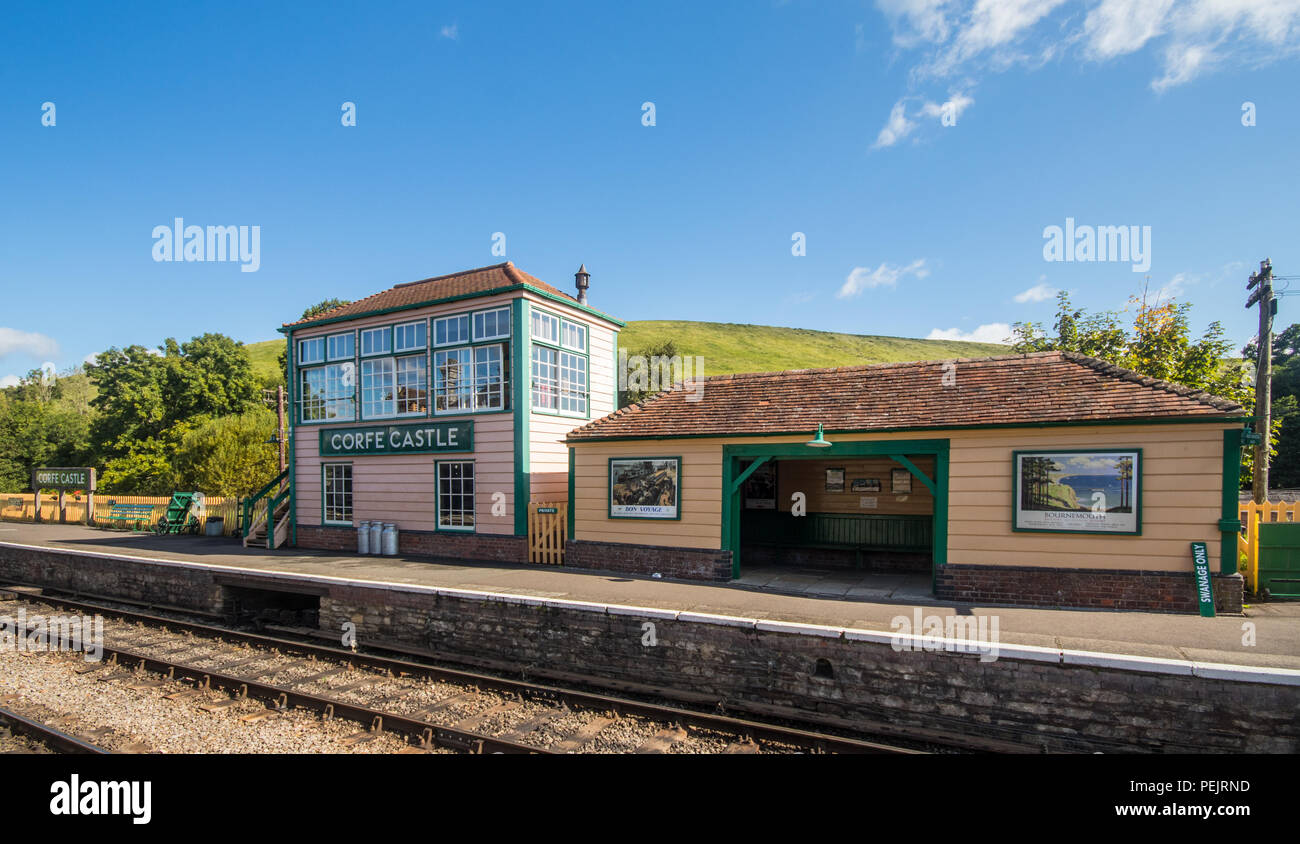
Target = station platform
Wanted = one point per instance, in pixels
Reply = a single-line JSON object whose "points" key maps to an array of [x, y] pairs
{"points": [[870, 604]]}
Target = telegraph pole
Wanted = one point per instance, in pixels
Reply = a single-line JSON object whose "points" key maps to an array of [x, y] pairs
{"points": [[1262, 285]]}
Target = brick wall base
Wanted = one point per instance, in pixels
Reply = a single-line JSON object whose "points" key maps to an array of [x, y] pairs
{"points": [[680, 563], [1123, 589], [423, 543]]}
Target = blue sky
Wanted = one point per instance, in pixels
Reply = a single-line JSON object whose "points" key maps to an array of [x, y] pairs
{"points": [[770, 118]]}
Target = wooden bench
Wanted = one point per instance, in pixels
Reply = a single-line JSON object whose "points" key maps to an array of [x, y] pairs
{"points": [[855, 532], [137, 513]]}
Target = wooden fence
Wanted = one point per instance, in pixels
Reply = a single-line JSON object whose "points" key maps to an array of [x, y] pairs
{"points": [[1251, 515], [21, 507]]}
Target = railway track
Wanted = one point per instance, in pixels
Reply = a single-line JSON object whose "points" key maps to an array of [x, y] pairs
{"points": [[434, 706], [50, 736]]}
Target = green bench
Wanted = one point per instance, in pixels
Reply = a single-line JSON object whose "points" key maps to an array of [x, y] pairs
{"points": [[856, 532], [137, 513]]}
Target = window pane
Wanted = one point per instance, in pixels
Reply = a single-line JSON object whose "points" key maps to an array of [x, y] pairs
{"points": [[378, 388], [575, 336], [489, 380], [412, 394], [456, 495], [376, 341], [311, 351], [573, 383], [545, 327], [545, 378], [453, 382], [337, 492], [328, 392], [409, 337], [341, 345], [451, 330], [491, 325]]}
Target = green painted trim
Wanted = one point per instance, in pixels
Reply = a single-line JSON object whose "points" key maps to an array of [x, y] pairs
{"points": [[1231, 500], [521, 396], [291, 456], [744, 476], [1220, 420], [285, 329], [572, 459], [609, 489], [912, 467], [731, 455], [1137, 504]]}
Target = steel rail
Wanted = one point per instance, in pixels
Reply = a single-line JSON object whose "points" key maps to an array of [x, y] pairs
{"points": [[51, 736], [754, 729]]}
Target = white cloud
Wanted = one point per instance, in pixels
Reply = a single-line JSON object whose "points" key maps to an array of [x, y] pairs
{"points": [[899, 125], [13, 341], [885, 275], [1119, 27], [10, 381], [90, 358], [452, 31], [965, 39], [994, 332], [1171, 290], [1040, 292], [897, 128]]}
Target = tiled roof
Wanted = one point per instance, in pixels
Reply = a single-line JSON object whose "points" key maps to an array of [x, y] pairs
{"points": [[1005, 390], [464, 283]]}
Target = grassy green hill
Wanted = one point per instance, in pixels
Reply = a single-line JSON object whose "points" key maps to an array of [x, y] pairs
{"points": [[266, 359], [728, 347]]}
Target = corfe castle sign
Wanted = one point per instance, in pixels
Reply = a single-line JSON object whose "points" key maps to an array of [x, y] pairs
{"points": [[421, 438]]}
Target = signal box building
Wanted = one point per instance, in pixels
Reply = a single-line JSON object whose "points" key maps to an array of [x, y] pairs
{"points": [[441, 406]]}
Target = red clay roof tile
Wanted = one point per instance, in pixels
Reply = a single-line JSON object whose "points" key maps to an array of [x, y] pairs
{"points": [[464, 283], [1006, 390]]}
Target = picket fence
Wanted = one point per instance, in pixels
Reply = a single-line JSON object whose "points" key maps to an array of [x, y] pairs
{"points": [[21, 507]]}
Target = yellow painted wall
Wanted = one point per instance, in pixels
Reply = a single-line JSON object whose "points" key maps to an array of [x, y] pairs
{"points": [[1181, 493]]}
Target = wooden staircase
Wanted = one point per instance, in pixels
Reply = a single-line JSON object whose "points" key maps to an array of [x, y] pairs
{"points": [[268, 515]]}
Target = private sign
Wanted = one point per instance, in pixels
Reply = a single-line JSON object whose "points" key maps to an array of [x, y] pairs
{"points": [[422, 438]]}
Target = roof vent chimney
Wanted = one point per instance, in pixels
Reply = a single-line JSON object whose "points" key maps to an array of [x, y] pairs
{"points": [[582, 279]]}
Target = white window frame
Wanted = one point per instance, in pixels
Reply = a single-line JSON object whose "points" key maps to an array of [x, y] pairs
{"points": [[500, 315], [368, 375], [418, 347], [346, 498], [481, 380], [472, 512], [462, 338], [303, 360], [333, 338], [464, 386], [581, 327], [546, 318], [548, 384], [567, 392], [327, 399], [367, 333], [422, 368]]}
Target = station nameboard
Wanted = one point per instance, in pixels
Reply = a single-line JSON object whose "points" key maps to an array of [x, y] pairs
{"points": [[420, 438], [64, 477]]}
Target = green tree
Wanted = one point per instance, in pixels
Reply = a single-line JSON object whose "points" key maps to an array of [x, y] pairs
{"points": [[229, 456], [43, 422], [663, 349], [141, 395], [1158, 345]]}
